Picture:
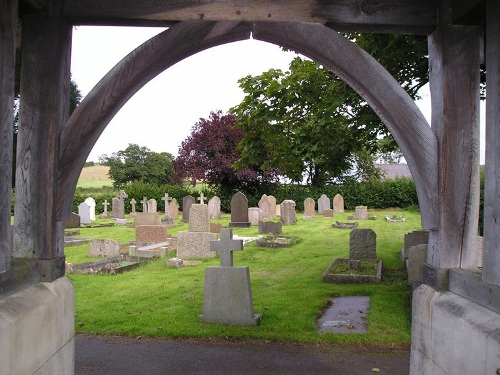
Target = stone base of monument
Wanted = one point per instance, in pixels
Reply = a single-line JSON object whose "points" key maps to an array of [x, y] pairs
{"points": [[352, 271], [239, 224], [228, 297], [121, 222]]}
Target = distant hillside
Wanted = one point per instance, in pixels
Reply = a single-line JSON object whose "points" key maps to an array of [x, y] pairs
{"points": [[95, 176]]}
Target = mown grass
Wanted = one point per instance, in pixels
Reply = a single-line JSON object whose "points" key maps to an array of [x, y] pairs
{"points": [[94, 177], [287, 288]]}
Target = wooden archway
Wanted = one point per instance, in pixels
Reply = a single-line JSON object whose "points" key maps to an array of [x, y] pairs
{"points": [[362, 72]]}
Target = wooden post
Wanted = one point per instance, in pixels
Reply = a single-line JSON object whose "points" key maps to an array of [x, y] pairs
{"points": [[491, 251], [8, 18], [454, 58], [44, 110]]}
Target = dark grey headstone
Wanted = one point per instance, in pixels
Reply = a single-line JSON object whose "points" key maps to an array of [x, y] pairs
{"points": [[266, 227], [362, 244], [239, 211], [187, 202], [73, 221]]}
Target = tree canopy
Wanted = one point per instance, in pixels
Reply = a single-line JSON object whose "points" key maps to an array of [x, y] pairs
{"points": [[209, 152], [312, 125], [137, 163]]}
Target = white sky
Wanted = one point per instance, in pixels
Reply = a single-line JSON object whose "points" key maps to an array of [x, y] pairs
{"points": [[160, 115]]}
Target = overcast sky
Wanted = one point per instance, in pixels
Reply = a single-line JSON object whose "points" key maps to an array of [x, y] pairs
{"points": [[160, 115]]}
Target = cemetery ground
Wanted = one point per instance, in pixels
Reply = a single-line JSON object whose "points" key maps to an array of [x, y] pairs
{"points": [[154, 300]]}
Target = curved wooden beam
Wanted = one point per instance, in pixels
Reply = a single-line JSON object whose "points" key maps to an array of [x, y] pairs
{"points": [[361, 71], [94, 113], [381, 91]]}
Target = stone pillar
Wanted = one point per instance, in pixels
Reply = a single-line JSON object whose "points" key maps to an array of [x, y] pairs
{"points": [[8, 21], [491, 239], [44, 109], [454, 59]]}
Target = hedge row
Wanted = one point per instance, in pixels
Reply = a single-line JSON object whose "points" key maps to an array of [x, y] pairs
{"points": [[378, 194]]}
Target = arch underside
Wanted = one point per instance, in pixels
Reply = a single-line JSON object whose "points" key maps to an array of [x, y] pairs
{"points": [[318, 42]]}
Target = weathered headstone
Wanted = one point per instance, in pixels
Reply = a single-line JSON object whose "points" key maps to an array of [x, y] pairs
{"points": [[174, 209], [328, 213], [338, 203], [214, 208], [144, 203], [239, 211], [104, 248], [146, 218], [309, 209], [133, 202], [187, 201], [196, 242], [121, 204], [288, 216], [272, 201], [228, 293], [104, 214], [84, 213], [73, 221], [114, 208], [417, 256], [323, 204], [270, 227], [362, 244], [265, 207], [198, 218], [152, 205], [360, 213], [150, 233], [254, 215]]}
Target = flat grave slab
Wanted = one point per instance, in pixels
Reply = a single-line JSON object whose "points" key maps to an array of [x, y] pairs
{"points": [[345, 315]]}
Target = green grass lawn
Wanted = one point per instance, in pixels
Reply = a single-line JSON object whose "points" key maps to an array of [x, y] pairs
{"points": [[287, 286]]}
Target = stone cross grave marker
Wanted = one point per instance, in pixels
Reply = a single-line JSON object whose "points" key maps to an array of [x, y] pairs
{"points": [[225, 246], [144, 204], [105, 212], [202, 198], [133, 202], [167, 200], [121, 204]]}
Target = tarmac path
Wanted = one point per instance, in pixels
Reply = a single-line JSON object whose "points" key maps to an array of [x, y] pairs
{"points": [[112, 355]]}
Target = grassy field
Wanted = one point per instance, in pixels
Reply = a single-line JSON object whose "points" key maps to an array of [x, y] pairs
{"points": [[287, 286], [94, 177]]}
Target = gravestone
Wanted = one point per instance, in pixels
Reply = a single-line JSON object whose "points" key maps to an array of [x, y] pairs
{"points": [[265, 207], [272, 201], [196, 242], [121, 204], [150, 233], [146, 218], [214, 208], [239, 211], [360, 213], [323, 204], [133, 202], [104, 248], [362, 244], [416, 258], [254, 215], [152, 205], [167, 219], [228, 294], [114, 208], [201, 198], [73, 221], [215, 227], [198, 218], [144, 203], [288, 216], [338, 203], [187, 201], [91, 202], [105, 212], [328, 213], [270, 227], [84, 213], [309, 209], [174, 209]]}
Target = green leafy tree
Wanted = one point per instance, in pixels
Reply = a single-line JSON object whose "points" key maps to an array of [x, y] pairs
{"points": [[137, 163], [312, 125]]}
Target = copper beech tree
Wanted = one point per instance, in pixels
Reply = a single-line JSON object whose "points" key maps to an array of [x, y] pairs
{"points": [[208, 155]]}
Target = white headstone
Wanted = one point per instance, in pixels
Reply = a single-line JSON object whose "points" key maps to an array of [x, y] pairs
{"points": [[91, 202], [84, 213]]}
